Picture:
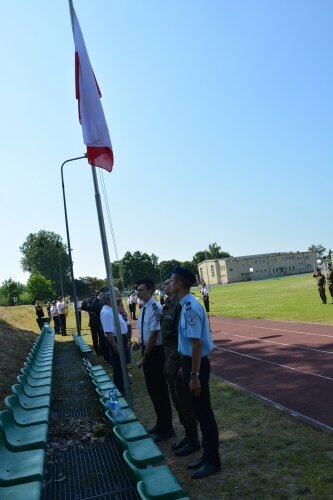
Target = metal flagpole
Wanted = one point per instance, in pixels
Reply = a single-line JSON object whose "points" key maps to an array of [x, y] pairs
{"points": [[78, 328], [108, 269]]}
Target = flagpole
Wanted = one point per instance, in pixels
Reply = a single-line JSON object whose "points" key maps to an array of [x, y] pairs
{"points": [[108, 268], [78, 327]]}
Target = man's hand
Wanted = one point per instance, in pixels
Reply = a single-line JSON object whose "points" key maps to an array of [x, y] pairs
{"points": [[195, 386]]}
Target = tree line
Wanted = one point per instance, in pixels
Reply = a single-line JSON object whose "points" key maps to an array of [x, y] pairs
{"points": [[45, 258]]}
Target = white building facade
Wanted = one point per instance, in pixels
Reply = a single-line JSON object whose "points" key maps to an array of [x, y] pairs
{"points": [[256, 267]]}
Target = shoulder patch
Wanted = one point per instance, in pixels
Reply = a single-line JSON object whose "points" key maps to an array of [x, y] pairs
{"points": [[154, 306], [191, 318]]}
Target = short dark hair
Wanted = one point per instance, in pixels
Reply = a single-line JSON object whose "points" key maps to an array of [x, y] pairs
{"points": [[149, 284]]}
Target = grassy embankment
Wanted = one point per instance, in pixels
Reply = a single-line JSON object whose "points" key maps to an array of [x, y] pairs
{"points": [[266, 454]]}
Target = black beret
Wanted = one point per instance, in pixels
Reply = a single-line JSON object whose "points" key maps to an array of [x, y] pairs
{"points": [[103, 290], [149, 283], [186, 274]]}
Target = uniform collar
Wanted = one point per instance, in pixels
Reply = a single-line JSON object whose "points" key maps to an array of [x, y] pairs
{"points": [[184, 299]]}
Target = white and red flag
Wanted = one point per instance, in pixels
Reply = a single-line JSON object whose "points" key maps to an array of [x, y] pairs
{"points": [[91, 115]]}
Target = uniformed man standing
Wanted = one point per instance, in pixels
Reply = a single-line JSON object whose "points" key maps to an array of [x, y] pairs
{"points": [[205, 296], [321, 280], [330, 279], [152, 360], [180, 395], [194, 345]]}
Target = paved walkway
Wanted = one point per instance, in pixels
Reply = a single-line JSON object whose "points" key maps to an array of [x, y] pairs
{"points": [[81, 464], [289, 364]]}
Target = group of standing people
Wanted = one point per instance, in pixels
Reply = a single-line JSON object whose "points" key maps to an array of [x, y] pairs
{"points": [[175, 344]]}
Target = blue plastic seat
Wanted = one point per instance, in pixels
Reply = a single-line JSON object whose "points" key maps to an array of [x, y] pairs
{"points": [[143, 451], [25, 491], [18, 438], [33, 392], [29, 403], [26, 417], [20, 466]]}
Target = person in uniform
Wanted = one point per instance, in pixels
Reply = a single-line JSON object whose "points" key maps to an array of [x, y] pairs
{"points": [[205, 296], [62, 315], [180, 396], [330, 279], [109, 329], [194, 345], [152, 360], [321, 280]]}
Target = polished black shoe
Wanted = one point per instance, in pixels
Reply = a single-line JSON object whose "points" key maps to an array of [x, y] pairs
{"points": [[151, 430], [163, 436], [188, 448], [196, 464], [180, 444], [205, 470]]}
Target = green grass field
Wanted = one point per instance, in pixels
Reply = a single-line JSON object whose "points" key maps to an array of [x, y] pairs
{"points": [[293, 298]]}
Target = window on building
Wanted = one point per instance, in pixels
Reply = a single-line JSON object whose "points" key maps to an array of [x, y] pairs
{"points": [[212, 270]]}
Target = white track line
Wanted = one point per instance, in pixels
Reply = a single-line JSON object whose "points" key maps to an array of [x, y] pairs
{"points": [[273, 363], [274, 342], [279, 329]]}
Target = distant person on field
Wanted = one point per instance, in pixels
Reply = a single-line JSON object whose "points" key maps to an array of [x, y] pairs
{"points": [[131, 301], [48, 310], [205, 296], [330, 279], [55, 316], [61, 305], [39, 314], [321, 280]]}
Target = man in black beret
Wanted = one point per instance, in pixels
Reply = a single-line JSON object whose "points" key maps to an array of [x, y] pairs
{"points": [[194, 345]]}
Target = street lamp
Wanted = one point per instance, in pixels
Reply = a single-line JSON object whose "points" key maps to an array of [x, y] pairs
{"points": [[61, 283], [69, 246]]}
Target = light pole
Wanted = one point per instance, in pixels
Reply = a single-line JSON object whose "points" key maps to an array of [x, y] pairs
{"points": [[69, 245], [61, 283]]}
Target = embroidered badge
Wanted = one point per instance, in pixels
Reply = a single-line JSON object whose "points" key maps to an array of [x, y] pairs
{"points": [[191, 319]]}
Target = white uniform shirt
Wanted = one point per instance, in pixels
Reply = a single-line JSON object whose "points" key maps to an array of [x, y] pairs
{"points": [[151, 321], [61, 307], [107, 321], [54, 311]]}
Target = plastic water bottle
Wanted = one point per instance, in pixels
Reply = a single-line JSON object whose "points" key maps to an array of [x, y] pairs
{"points": [[112, 403]]}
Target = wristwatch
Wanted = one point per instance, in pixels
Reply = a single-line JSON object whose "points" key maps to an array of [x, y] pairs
{"points": [[195, 374]]}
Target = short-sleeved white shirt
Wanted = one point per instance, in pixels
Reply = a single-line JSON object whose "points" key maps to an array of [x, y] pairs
{"points": [[193, 324], [107, 321], [151, 323], [61, 307]]}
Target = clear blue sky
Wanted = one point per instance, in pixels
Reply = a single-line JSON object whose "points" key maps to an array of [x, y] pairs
{"points": [[220, 115]]}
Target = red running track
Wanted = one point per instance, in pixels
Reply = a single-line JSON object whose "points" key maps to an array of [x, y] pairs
{"points": [[288, 364]]}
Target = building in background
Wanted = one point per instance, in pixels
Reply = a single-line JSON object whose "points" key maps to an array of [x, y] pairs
{"points": [[256, 267]]}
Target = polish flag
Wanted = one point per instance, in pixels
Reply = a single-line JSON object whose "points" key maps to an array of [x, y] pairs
{"points": [[91, 115]]}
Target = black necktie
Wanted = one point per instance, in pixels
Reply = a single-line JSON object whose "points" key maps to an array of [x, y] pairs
{"points": [[142, 324]]}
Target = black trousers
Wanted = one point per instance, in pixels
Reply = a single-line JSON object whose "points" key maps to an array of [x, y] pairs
{"points": [[203, 410], [322, 294], [63, 323], [56, 320], [153, 369], [118, 378], [206, 303]]}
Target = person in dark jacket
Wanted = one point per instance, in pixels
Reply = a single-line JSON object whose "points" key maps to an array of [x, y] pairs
{"points": [[321, 280]]}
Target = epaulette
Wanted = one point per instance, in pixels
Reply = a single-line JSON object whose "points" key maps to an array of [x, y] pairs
{"points": [[154, 306], [188, 306]]}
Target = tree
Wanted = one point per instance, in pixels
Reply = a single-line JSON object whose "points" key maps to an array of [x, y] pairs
{"points": [[214, 252], [166, 266], [39, 288], [319, 249], [10, 289], [87, 285], [44, 253], [137, 266]]}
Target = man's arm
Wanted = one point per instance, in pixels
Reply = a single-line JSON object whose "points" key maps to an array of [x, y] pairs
{"points": [[195, 386], [111, 339]]}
